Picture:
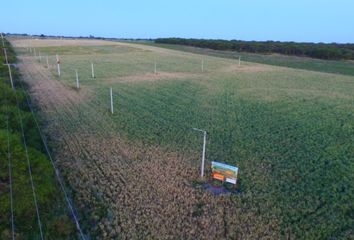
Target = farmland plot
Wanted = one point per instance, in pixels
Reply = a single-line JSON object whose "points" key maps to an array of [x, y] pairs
{"points": [[135, 172]]}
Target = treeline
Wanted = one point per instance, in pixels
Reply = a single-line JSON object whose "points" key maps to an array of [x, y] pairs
{"points": [[43, 36], [13, 162], [333, 51]]}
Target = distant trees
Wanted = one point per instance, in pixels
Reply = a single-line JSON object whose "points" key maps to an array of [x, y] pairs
{"points": [[333, 51]]}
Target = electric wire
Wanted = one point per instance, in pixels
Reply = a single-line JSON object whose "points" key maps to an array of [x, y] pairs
{"points": [[29, 166], [66, 196], [9, 157]]}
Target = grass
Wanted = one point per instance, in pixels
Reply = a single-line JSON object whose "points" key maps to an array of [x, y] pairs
{"points": [[328, 66], [52, 209], [289, 131]]}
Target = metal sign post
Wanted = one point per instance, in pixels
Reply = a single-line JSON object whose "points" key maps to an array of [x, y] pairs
{"points": [[111, 95], [204, 147]]}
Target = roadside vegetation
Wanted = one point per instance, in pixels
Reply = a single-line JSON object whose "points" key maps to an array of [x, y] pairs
{"points": [[14, 170]]}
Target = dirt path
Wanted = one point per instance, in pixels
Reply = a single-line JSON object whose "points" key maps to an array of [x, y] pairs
{"points": [[130, 191]]}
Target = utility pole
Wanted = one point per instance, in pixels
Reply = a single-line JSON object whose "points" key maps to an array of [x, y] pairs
{"points": [[77, 80], [6, 61], [58, 63], [2, 39], [92, 71], [9, 67], [10, 74]]}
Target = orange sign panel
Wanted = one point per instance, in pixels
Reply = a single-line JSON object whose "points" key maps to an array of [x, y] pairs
{"points": [[218, 176]]}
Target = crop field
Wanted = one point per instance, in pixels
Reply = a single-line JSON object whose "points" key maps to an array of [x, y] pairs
{"points": [[135, 173], [312, 64]]}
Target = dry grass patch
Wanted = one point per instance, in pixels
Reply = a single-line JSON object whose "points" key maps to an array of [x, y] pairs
{"points": [[154, 77], [254, 68]]}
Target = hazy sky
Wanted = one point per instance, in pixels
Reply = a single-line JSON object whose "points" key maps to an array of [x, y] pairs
{"points": [[285, 20]]}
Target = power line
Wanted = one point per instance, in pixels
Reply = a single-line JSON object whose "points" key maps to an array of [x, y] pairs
{"points": [[53, 164], [10, 169], [29, 167], [30, 172]]}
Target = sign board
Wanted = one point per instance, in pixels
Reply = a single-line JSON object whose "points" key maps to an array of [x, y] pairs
{"points": [[224, 172]]}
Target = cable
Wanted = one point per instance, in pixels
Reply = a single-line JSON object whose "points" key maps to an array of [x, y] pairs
{"points": [[10, 169], [53, 164], [29, 167]]}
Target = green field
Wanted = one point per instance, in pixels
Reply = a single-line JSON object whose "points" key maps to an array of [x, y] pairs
{"points": [[328, 66], [290, 132]]}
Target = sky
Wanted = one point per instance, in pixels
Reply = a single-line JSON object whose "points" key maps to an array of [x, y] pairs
{"points": [[280, 20]]}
